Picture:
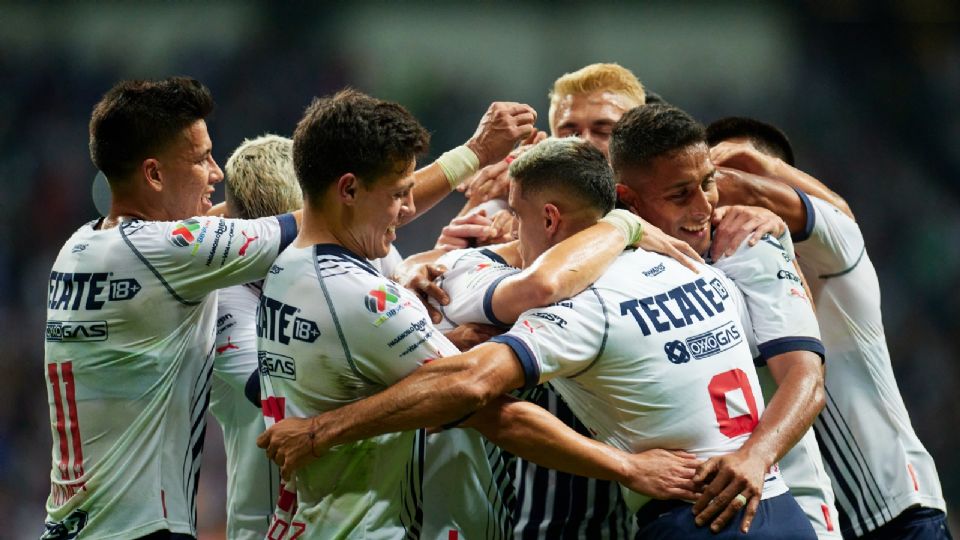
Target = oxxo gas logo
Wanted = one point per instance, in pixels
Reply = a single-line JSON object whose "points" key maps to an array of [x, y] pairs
{"points": [[277, 365], [185, 233], [76, 331], [703, 345]]}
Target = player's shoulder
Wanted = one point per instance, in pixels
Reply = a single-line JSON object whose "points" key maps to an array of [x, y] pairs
{"points": [[335, 261], [470, 258]]}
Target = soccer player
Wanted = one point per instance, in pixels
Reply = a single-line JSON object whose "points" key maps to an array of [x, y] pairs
{"points": [[605, 363], [661, 158], [130, 318], [885, 480], [584, 103], [259, 182]]}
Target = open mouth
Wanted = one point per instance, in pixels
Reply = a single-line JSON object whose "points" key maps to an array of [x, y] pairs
{"points": [[695, 230]]}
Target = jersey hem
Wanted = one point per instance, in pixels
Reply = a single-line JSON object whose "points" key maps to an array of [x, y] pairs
{"points": [[901, 504]]}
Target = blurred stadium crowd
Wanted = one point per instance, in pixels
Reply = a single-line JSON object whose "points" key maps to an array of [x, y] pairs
{"points": [[867, 91]]}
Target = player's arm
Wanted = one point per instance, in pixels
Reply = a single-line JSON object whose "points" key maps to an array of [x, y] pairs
{"points": [[532, 433], [745, 157], [573, 264], [501, 127], [788, 338], [787, 417], [441, 392]]}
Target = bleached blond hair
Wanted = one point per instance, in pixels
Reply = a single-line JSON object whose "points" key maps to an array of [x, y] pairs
{"points": [[608, 77], [260, 180]]}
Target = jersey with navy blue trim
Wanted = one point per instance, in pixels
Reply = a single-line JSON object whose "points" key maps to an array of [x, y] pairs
{"points": [[783, 321], [548, 503], [661, 362], [252, 479], [878, 465], [129, 357], [333, 330], [471, 277]]}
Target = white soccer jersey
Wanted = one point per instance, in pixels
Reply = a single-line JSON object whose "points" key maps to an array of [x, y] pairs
{"points": [[660, 362], [547, 500], [878, 465], [471, 277], [129, 355], [252, 479], [783, 321], [333, 330]]}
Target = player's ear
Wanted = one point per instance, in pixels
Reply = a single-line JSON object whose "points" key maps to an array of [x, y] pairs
{"points": [[150, 171], [347, 187], [629, 198], [551, 218]]}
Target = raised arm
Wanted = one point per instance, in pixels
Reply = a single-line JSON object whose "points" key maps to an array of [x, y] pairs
{"points": [[501, 127]]}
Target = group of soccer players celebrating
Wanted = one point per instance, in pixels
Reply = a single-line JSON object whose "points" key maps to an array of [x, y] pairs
{"points": [[637, 327]]}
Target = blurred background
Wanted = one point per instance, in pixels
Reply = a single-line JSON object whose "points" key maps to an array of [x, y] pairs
{"points": [[867, 90]]}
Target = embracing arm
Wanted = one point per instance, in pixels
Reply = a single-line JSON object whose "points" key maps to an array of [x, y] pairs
{"points": [[438, 393], [530, 432], [560, 272], [574, 264]]}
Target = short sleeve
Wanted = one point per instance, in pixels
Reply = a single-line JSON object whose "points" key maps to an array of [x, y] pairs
{"points": [[198, 255], [782, 317], [388, 332], [561, 340], [834, 244], [471, 277]]}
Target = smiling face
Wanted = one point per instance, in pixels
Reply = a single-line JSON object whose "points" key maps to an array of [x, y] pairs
{"points": [[379, 208], [589, 116], [187, 172], [677, 192]]}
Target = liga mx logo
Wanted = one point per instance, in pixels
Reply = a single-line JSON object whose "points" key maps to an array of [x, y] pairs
{"points": [[378, 299], [185, 232]]}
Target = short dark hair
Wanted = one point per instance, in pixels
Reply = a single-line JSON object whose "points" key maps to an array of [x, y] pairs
{"points": [[572, 165], [351, 132], [651, 131], [767, 138], [138, 118]]}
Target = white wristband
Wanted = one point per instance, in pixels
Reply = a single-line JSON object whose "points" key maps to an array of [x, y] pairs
{"points": [[458, 165], [627, 222]]}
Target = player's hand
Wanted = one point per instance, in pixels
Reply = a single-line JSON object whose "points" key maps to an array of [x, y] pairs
{"points": [[660, 242], [291, 444], [502, 226], [421, 279], [467, 336], [488, 182], [733, 224], [663, 474], [744, 157], [465, 230], [722, 478], [501, 128]]}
